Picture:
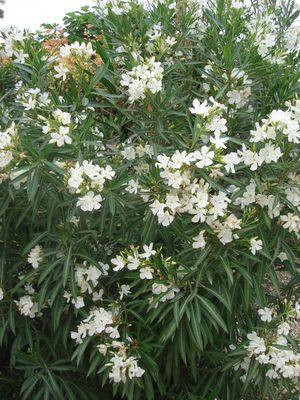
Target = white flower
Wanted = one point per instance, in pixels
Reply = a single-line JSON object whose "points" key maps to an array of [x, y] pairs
{"points": [[272, 374], [133, 262], [165, 219], [283, 329], [83, 49], [237, 4], [29, 288], [158, 288], [128, 153], [119, 263], [62, 71], [230, 160], [265, 314], [180, 158], [162, 161], [170, 294], [97, 295], [263, 358], [26, 306], [67, 296], [61, 137], [269, 153], [219, 141], [102, 349], [78, 302], [157, 208], [124, 291], [1, 294], [113, 332], [281, 340], [217, 125], [89, 202], [249, 157], [148, 251], [204, 156], [255, 245], [282, 256], [199, 241], [257, 344], [76, 178], [5, 158], [133, 186], [20, 56], [219, 204], [146, 273], [248, 195], [200, 109], [44, 99], [291, 222], [35, 256], [154, 85], [62, 117]]}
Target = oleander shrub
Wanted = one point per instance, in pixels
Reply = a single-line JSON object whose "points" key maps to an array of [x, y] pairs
{"points": [[150, 203]]}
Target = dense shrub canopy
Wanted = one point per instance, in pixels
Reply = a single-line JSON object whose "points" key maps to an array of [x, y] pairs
{"points": [[150, 203]]}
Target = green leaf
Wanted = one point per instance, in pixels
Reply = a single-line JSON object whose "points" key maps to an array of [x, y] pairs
{"points": [[212, 312], [67, 266], [33, 181]]}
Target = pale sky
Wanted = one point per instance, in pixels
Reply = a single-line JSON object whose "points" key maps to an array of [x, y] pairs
{"points": [[31, 13]]}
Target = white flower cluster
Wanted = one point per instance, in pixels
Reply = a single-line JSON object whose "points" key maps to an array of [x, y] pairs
{"points": [[120, 7], [61, 71], [87, 276], [292, 38], [33, 98], [87, 179], [35, 256], [274, 350], [98, 321], [266, 34], [59, 128], [158, 41], [68, 54], [77, 301], [238, 4], [101, 321], [132, 260], [187, 194], [211, 120], [87, 280], [121, 367], [239, 84], [240, 88], [131, 152], [6, 145], [77, 49], [144, 77], [1, 294], [290, 221], [27, 306], [14, 45], [169, 291], [193, 196], [279, 125]]}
